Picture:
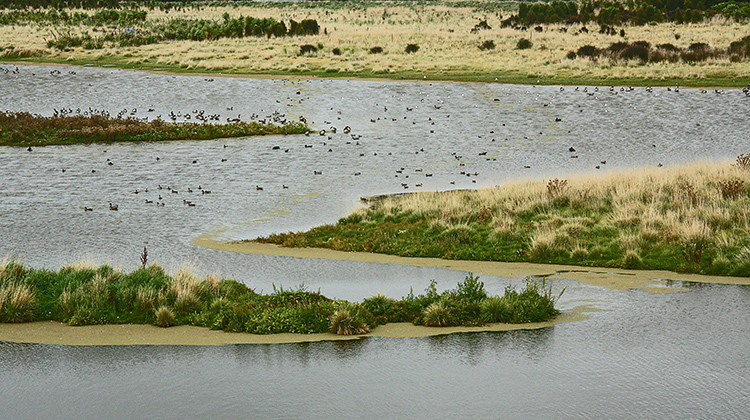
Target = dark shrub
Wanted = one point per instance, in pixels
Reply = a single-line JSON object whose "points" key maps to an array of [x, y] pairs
{"points": [[695, 56], [634, 52], [667, 47], [618, 46], [588, 51], [412, 48], [538, 28], [487, 45], [698, 46], [622, 33], [376, 50], [479, 26], [307, 49], [524, 44], [336, 51], [571, 55], [643, 44]]}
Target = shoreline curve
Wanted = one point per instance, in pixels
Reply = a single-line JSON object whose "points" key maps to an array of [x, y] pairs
{"points": [[655, 281]]}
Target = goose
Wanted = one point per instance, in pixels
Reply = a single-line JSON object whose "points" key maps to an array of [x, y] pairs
{"points": [[113, 207], [258, 188], [88, 209]]}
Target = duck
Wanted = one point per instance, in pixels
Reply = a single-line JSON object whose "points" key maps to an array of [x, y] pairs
{"points": [[113, 207]]}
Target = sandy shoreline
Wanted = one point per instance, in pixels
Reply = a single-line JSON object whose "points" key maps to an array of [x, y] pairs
{"points": [[655, 281], [56, 333]]}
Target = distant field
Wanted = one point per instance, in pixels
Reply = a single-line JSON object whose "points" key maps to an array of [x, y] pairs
{"points": [[447, 46]]}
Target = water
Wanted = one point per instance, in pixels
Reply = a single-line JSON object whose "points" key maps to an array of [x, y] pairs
{"points": [[645, 355]]}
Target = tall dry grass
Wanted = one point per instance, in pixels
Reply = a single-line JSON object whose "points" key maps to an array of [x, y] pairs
{"points": [[441, 30]]}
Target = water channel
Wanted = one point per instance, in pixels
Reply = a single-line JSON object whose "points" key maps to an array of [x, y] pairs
{"points": [[642, 354]]}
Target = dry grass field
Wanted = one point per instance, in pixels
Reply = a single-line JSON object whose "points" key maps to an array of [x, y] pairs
{"points": [[447, 47]]}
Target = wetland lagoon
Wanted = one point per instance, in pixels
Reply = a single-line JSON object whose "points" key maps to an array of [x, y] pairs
{"points": [[666, 345]]}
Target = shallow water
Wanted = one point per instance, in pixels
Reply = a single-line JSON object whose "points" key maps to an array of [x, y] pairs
{"points": [[654, 355]]}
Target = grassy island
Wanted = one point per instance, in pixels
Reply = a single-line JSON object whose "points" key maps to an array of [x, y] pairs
{"points": [[87, 295], [24, 129], [693, 218]]}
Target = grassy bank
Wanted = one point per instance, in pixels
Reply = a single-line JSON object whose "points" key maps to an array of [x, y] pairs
{"points": [[24, 129], [85, 295], [693, 218], [452, 45]]}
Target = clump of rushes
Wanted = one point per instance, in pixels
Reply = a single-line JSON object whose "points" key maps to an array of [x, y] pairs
{"points": [[680, 219], [349, 320], [85, 295], [24, 129], [164, 317]]}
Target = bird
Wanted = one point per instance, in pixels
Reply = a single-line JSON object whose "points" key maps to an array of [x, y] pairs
{"points": [[88, 209], [113, 207]]}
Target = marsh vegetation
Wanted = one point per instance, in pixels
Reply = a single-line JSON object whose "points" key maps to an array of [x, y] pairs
{"points": [[692, 218], [24, 129], [84, 295]]}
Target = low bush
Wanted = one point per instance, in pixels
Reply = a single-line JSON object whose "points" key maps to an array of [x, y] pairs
{"points": [[487, 45], [524, 44], [376, 50], [411, 48]]}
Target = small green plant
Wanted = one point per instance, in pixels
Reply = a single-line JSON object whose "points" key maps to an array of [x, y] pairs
{"points": [[336, 51]]}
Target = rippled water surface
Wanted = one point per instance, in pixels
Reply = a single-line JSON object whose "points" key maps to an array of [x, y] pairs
{"points": [[645, 355]]}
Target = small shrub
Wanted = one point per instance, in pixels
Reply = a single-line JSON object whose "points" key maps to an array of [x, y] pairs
{"points": [[480, 26], [667, 47], [164, 317], [635, 52], [383, 308], [307, 49], [732, 188], [524, 44], [743, 162], [571, 55], [556, 187], [376, 50], [588, 51], [487, 45], [698, 46], [411, 48], [336, 51]]}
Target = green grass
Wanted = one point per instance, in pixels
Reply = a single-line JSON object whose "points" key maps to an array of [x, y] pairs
{"points": [[690, 219], [24, 129], [84, 295]]}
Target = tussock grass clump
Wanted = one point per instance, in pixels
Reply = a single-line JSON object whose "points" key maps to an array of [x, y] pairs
{"points": [[487, 45], [348, 320], [85, 295], [376, 50], [681, 219], [24, 129], [165, 317]]}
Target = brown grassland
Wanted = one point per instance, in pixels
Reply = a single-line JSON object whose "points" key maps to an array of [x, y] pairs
{"points": [[442, 30]]}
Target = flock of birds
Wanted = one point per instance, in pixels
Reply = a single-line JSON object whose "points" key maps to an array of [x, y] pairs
{"points": [[407, 178]]}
